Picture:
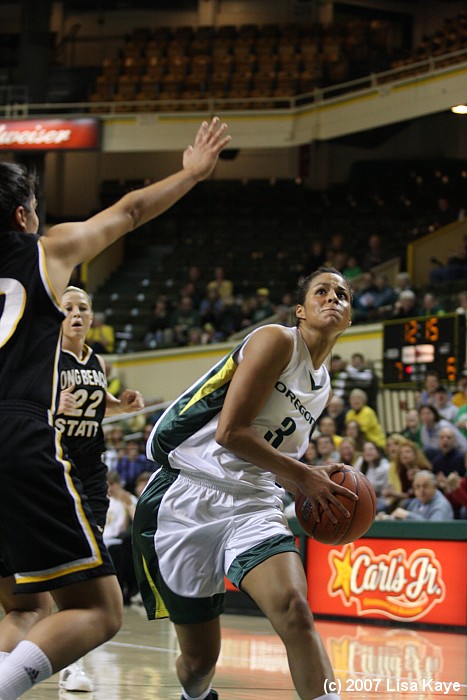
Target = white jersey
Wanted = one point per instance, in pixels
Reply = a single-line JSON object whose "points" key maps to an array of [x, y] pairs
{"points": [[184, 436]]}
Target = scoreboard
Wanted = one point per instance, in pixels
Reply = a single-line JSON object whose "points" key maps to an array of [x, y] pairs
{"points": [[411, 346]]}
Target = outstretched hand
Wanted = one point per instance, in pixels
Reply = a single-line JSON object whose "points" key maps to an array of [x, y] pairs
{"points": [[320, 489], [202, 157]]}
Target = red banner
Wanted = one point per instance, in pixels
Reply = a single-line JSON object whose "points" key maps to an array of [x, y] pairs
{"points": [[403, 580], [50, 134]]}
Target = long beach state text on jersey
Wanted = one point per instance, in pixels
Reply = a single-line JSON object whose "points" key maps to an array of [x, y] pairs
{"points": [[81, 426], [86, 377]]}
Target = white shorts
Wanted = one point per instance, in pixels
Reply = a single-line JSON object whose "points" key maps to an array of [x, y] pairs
{"points": [[203, 526], [205, 529]]}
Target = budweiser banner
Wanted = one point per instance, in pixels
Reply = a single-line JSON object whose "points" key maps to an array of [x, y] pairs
{"points": [[400, 580], [49, 134]]}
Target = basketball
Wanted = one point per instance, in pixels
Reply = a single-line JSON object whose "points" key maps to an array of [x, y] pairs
{"points": [[345, 530]]}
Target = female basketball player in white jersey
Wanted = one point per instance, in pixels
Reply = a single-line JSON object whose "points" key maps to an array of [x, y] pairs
{"points": [[214, 509], [49, 539]]}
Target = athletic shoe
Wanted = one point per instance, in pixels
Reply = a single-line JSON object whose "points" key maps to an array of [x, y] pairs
{"points": [[213, 695], [74, 678]]}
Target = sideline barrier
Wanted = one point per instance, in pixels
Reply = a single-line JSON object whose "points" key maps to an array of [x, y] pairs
{"points": [[403, 574]]}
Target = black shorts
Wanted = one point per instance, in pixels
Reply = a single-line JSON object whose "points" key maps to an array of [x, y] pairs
{"points": [[93, 477], [48, 534]]}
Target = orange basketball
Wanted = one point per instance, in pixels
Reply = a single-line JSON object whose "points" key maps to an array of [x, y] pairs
{"points": [[362, 512]]}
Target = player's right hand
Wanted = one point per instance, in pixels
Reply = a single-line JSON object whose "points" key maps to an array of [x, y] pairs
{"points": [[67, 402], [202, 157], [320, 489]]}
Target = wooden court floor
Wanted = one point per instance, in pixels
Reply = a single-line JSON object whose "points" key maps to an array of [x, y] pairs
{"points": [[370, 662]]}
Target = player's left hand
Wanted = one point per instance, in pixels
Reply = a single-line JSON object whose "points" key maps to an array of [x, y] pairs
{"points": [[131, 400]]}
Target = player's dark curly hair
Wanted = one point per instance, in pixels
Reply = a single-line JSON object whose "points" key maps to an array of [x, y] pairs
{"points": [[17, 188], [304, 284]]}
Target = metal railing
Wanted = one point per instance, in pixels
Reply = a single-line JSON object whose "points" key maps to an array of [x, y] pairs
{"points": [[14, 99]]}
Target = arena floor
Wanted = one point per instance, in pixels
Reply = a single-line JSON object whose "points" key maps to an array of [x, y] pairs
{"points": [[375, 663]]}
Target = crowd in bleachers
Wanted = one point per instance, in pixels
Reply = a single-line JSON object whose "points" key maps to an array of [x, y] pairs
{"points": [[432, 447], [432, 444], [262, 236]]}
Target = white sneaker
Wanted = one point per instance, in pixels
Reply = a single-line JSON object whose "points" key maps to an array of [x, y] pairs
{"points": [[74, 678]]}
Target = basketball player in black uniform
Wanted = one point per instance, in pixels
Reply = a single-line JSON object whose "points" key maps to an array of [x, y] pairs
{"points": [[49, 539], [84, 401]]}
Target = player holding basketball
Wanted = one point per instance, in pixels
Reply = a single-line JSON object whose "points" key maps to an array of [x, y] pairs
{"points": [[49, 539], [214, 508]]}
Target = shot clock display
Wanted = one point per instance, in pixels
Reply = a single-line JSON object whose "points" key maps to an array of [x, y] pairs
{"points": [[411, 346]]}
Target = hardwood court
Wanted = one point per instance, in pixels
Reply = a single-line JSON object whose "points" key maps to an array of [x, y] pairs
{"points": [[370, 662]]}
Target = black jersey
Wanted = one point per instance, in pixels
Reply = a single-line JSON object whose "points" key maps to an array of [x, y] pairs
{"points": [[82, 432], [30, 322]]}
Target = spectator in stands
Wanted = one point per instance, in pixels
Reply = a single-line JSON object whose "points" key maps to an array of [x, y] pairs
{"points": [[327, 453], [101, 336], [443, 405], [114, 383], [394, 442], [375, 466], [461, 420], [454, 488], [194, 276], [366, 417], [412, 430], [210, 335], [459, 397], [210, 308], [406, 305], [311, 454], [410, 459], [448, 457], [223, 285], [336, 410], [445, 213], [316, 257], [327, 426], [141, 482], [455, 268], [148, 426], [360, 375], [365, 297], [183, 318], [403, 282], [354, 431], [117, 534], [429, 503], [384, 299], [432, 424], [431, 383], [264, 307], [431, 305], [375, 252], [283, 315], [131, 464], [115, 445], [159, 332], [338, 377], [231, 317], [336, 254], [353, 268], [348, 453]]}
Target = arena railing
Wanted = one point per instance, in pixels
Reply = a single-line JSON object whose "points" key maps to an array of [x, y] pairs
{"points": [[14, 98]]}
